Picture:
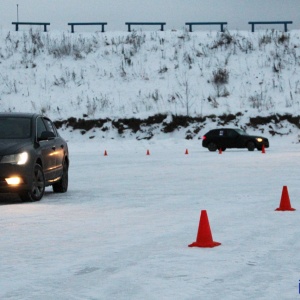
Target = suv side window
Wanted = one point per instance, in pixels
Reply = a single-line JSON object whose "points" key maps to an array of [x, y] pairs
{"points": [[232, 133], [221, 132], [40, 127], [213, 133]]}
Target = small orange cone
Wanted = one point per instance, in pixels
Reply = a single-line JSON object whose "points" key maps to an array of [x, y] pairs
{"points": [[263, 150], [204, 236], [148, 152], [186, 151], [105, 153], [285, 203], [220, 151]]}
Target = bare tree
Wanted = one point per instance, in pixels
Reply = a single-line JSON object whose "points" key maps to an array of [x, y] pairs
{"points": [[185, 84]]}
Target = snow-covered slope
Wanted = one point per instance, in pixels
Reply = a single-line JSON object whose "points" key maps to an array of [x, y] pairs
{"points": [[173, 74]]}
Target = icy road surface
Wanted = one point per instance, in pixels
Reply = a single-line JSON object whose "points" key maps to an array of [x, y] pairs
{"points": [[123, 228]]}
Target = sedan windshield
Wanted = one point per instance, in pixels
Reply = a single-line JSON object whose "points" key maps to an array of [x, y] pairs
{"points": [[15, 128]]}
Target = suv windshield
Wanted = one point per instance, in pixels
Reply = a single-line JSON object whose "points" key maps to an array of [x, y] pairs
{"points": [[240, 131], [15, 128]]}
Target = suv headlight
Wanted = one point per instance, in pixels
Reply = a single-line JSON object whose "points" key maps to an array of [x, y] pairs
{"points": [[259, 140], [16, 159]]}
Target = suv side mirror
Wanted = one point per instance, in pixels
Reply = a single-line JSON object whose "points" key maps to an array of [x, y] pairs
{"points": [[46, 135]]}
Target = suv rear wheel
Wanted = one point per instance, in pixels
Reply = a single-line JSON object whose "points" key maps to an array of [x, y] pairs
{"points": [[212, 147]]}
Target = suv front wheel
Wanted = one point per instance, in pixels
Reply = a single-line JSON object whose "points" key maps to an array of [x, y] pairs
{"points": [[251, 146]]}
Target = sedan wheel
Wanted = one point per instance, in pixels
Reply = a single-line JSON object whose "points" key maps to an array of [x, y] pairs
{"points": [[38, 186], [61, 186]]}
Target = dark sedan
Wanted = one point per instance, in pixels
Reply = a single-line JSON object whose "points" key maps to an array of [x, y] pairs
{"points": [[32, 156], [233, 138]]}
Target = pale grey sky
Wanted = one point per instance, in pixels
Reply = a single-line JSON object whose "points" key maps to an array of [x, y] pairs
{"points": [[174, 12]]}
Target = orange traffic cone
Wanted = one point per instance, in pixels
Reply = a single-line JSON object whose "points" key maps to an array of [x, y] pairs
{"points": [[148, 152], [186, 151], [105, 153], [204, 236], [263, 150], [220, 151], [285, 203]]}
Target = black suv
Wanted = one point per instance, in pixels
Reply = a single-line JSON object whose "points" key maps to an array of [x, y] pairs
{"points": [[32, 156], [232, 138]]}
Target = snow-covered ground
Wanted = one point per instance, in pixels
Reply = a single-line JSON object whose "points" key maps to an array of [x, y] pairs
{"points": [[140, 74], [122, 230]]}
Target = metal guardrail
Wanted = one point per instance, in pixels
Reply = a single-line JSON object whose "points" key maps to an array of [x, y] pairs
{"points": [[162, 24], [253, 23], [190, 24], [31, 23], [72, 24], [145, 23]]}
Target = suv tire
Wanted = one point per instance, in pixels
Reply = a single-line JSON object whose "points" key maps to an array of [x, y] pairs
{"points": [[250, 146], [212, 147]]}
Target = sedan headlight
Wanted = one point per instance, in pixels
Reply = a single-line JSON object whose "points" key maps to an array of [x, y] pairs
{"points": [[16, 159], [259, 140]]}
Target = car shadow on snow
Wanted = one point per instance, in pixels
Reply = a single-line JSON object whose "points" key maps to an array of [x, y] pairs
{"points": [[10, 198], [49, 196]]}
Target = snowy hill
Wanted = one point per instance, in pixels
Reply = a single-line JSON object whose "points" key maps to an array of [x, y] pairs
{"points": [[144, 84]]}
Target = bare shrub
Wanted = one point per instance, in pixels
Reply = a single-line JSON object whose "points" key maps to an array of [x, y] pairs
{"points": [[277, 66], [255, 101], [188, 59], [36, 39], [155, 95], [212, 100], [162, 70], [8, 85], [60, 48], [220, 77], [283, 38], [265, 39], [224, 39], [60, 81], [245, 45], [136, 40], [261, 102]]}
